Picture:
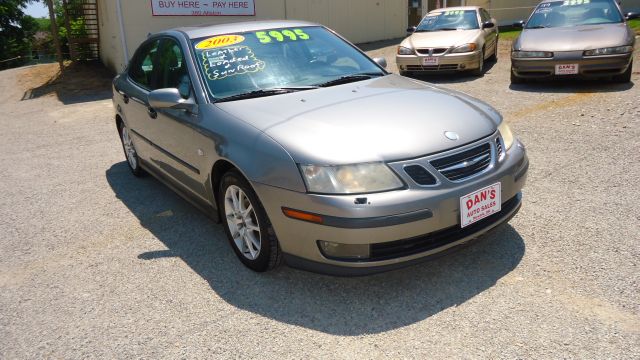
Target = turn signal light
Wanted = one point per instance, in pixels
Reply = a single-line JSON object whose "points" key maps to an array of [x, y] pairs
{"points": [[301, 215]]}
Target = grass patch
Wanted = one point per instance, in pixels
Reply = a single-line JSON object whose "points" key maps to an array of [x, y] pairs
{"points": [[509, 33], [635, 25]]}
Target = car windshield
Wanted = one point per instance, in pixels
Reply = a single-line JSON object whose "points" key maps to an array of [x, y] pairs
{"points": [[274, 61], [574, 13], [449, 20]]}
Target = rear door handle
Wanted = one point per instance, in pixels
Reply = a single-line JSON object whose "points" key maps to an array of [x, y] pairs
{"points": [[152, 113], [125, 97]]}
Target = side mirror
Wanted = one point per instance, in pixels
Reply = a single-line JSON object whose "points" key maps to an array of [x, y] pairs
{"points": [[170, 99], [632, 15], [411, 30], [381, 61], [519, 24], [488, 25]]}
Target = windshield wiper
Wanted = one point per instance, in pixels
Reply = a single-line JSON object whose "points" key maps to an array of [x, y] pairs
{"points": [[536, 27], [350, 78], [447, 29], [266, 92]]}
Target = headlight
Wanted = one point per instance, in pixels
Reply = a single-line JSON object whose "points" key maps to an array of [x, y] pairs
{"points": [[465, 48], [507, 135], [404, 51], [609, 51], [350, 179], [532, 54]]}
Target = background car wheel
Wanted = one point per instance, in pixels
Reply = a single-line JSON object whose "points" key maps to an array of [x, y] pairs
{"points": [[494, 56], [625, 77], [515, 79], [480, 70], [405, 73], [246, 224], [130, 151]]}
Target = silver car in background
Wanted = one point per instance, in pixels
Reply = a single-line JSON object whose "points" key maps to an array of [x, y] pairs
{"points": [[308, 151], [577, 38], [449, 39]]}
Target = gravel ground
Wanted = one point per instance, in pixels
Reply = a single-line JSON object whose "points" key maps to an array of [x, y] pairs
{"points": [[95, 263]]}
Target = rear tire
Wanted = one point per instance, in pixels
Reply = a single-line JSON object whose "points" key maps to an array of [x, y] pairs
{"points": [[130, 153], [246, 224], [625, 77]]}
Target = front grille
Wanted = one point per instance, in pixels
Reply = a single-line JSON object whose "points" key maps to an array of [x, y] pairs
{"points": [[420, 175], [498, 148], [434, 240], [464, 164], [436, 51], [444, 67]]}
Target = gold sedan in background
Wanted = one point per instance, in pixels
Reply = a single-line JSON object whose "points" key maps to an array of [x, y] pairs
{"points": [[450, 39]]}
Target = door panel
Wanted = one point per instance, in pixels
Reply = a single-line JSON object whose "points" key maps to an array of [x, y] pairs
{"points": [[175, 132], [136, 84]]}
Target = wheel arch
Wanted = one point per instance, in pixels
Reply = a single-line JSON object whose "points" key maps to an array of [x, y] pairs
{"points": [[219, 168], [119, 121]]}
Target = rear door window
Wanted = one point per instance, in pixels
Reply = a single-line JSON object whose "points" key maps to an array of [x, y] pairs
{"points": [[143, 64]]}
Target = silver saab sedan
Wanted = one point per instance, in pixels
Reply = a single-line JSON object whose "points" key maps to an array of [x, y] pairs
{"points": [[576, 38], [308, 151], [450, 39]]}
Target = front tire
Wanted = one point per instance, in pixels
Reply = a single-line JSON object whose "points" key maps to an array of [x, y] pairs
{"points": [[480, 70], [246, 224], [625, 77], [494, 57], [130, 151], [516, 79]]}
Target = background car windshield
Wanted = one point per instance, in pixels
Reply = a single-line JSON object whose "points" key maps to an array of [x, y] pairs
{"points": [[574, 13], [240, 63], [449, 20]]}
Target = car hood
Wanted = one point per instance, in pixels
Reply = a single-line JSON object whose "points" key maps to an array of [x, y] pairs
{"points": [[441, 39], [574, 38], [382, 119]]}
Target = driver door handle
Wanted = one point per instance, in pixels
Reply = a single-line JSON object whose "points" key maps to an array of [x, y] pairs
{"points": [[152, 113]]}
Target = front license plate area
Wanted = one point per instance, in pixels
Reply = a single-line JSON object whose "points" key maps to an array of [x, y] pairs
{"points": [[567, 69], [480, 204], [430, 61]]}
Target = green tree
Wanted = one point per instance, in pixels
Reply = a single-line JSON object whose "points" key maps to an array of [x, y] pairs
{"points": [[16, 31]]}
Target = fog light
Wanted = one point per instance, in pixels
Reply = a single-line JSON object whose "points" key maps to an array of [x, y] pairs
{"points": [[463, 66], [338, 251]]}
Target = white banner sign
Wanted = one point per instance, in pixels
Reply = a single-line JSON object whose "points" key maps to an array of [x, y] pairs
{"points": [[203, 8]]}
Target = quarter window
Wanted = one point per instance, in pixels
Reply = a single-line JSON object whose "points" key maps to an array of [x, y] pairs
{"points": [[142, 65]]}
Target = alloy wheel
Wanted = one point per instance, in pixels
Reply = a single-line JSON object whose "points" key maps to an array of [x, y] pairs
{"points": [[242, 222], [129, 150]]}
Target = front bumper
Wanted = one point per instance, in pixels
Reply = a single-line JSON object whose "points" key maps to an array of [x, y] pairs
{"points": [[588, 67], [425, 220], [446, 62]]}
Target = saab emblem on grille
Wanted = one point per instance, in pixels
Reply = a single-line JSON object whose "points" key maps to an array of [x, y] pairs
{"points": [[451, 135]]}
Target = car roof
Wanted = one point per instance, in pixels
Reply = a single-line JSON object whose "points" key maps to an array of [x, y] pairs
{"points": [[456, 8], [198, 31]]}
